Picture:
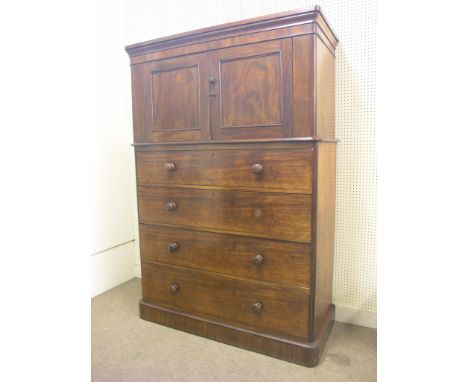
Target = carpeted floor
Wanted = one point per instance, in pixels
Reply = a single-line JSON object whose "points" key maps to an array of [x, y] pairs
{"points": [[126, 348]]}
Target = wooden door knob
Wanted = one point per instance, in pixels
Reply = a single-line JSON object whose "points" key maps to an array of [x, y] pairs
{"points": [[174, 288], [257, 168], [257, 307], [169, 167], [257, 259], [171, 206], [172, 247], [211, 80]]}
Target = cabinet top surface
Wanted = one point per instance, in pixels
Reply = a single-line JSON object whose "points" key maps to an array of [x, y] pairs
{"points": [[257, 24]]}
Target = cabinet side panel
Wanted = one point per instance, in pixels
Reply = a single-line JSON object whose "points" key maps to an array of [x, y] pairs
{"points": [[303, 85], [325, 100], [325, 233], [138, 94]]}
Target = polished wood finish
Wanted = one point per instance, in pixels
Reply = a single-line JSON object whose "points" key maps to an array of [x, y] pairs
{"points": [[250, 95], [283, 263], [325, 91], [306, 353], [273, 143], [269, 215], [254, 91], [264, 169], [140, 94], [250, 29], [176, 99], [324, 234], [269, 309], [303, 84], [235, 160], [172, 100], [217, 44]]}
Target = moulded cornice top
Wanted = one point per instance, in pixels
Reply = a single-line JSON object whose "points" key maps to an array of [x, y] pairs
{"points": [[257, 24]]}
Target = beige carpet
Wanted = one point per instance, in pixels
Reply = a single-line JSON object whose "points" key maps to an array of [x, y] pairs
{"points": [[126, 348]]}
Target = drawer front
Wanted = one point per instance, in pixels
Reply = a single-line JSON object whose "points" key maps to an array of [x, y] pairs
{"points": [[273, 215], [270, 310], [257, 259], [288, 170]]}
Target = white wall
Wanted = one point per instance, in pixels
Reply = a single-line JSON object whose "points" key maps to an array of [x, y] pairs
{"points": [[114, 206], [354, 22]]}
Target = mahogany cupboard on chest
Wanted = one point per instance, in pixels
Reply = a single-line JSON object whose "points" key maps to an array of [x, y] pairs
{"points": [[235, 161]]}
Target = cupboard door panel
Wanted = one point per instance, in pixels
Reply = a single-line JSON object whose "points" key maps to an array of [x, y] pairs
{"points": [[259, 78], [252, 87], [175, 99]]}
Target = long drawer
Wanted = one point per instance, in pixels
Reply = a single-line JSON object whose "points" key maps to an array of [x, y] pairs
{"points": [[271, 310], [273, 215], [286, 170], [258, 259]]}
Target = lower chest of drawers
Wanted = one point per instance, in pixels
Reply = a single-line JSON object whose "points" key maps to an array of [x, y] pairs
{"points": [[227, 245]]}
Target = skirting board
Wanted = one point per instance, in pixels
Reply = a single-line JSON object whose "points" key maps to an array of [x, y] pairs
{"points": [[137, 270], [112, 267], [355, 316], [342, 313]]}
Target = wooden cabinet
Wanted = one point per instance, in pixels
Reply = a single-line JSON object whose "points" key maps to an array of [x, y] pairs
{"points": [[235, 164]]}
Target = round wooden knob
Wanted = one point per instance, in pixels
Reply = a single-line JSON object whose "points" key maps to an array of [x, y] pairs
{"points": [[257, 259], [257, 168], [172, 247], [174, 288], [169, 167], [257, 307], [171, 206]]}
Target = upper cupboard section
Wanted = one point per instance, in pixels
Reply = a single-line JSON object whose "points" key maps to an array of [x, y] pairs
{"points": [[235, 93], [264, 78]]}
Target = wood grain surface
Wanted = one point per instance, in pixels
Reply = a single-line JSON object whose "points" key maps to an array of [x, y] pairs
{"points": [[283, 312], [283, 170], [283, 263], [260, 214]]}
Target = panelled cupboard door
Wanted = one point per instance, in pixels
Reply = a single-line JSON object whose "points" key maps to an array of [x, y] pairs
{"points": [[251, 87], [173, 99]]}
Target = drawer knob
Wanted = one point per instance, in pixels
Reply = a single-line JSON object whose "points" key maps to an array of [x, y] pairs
{"points": [[172, 247], [257, 168], [171, 206], [174, 288], [257, 259], [257, 307], [169, 167]]}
